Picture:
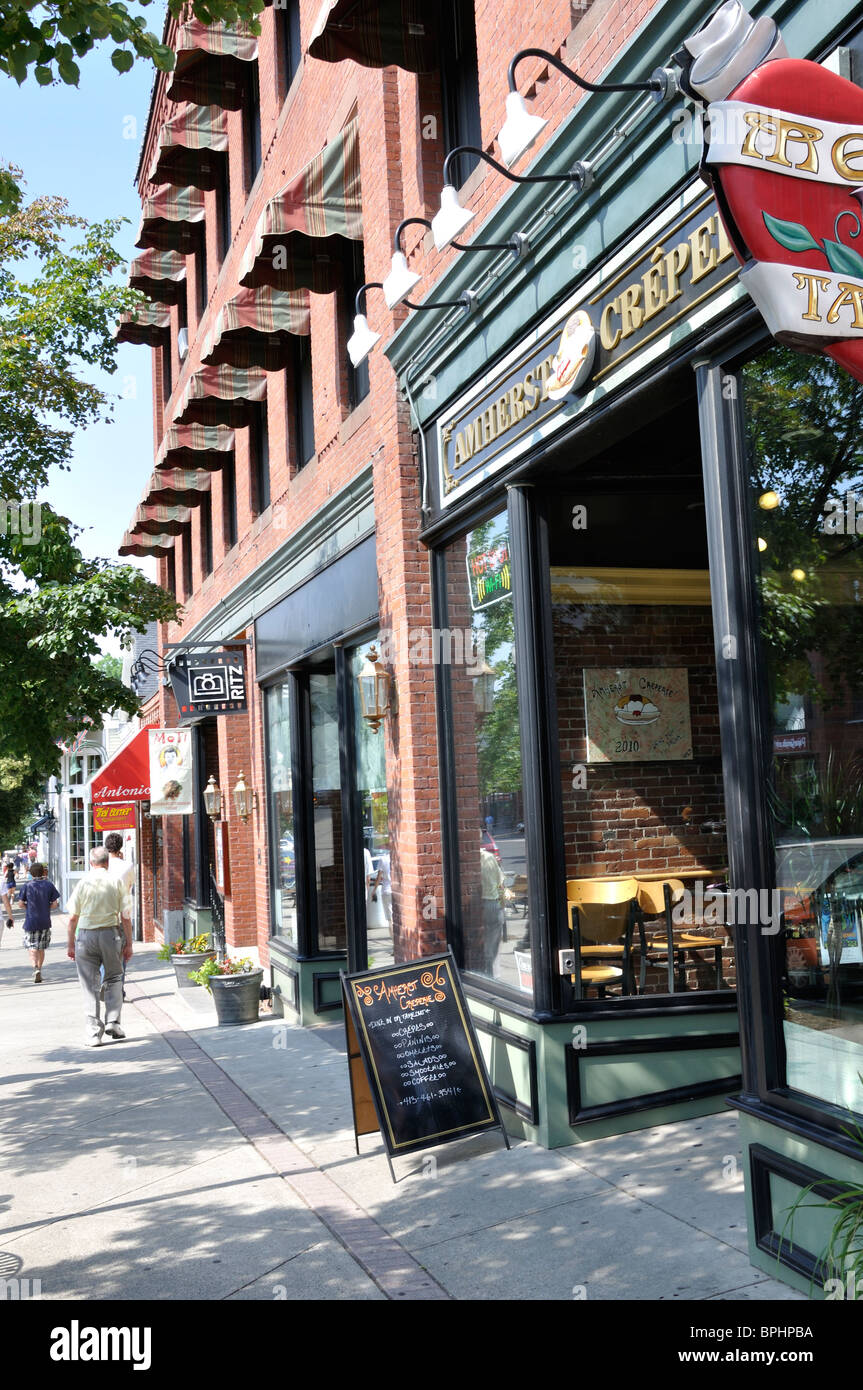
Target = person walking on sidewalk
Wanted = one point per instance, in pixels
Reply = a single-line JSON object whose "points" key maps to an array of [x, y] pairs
{"points": [[100, 933], [39, 897], [9, 886], [118, 868]]}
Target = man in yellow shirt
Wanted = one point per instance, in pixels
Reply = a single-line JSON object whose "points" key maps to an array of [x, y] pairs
{"points": [[100, 934]]}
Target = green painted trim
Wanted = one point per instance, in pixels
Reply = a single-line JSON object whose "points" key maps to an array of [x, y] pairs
{"points": [[345, 519], [640, 176], [306, 971]]}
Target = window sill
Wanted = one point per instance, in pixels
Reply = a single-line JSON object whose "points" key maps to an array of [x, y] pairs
{"points": [[357, 418]]}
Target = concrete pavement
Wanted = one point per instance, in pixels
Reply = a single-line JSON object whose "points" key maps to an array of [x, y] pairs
{"points": [[195, 1162]]}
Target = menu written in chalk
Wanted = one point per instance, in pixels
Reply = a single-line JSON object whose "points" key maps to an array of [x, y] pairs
{"points": [[410, 1025]]}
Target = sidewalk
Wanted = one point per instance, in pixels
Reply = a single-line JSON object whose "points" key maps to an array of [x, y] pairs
{"points": [[195, 1162]]}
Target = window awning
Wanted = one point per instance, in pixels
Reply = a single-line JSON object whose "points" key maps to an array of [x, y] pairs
{"points": [[221, 396], [178, 487], [143, 545], [256, 328], [159, 274], [376, 34], [126, 776], [195, 446], [191, 148], [170, 218], [212, 63], [297, 241], [148, 323], [155, 519]]}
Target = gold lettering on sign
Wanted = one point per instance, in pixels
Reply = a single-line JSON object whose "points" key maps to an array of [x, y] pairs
{"points": [[608, 338], [675, 263], [784, 133], [631, 313], [842, 156], [654, 289], [703, 252], [811, 282], [852, 296]]}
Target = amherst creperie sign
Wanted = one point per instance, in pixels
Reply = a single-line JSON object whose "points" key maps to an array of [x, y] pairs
{"points": [[685, 262]]}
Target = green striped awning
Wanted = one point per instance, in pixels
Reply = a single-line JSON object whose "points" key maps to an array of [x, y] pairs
{"points": [[297, 241], [191, 148], [377, 34], [159, 274], [148, 323], [195, 446], [221, 396], [145, 545], [177, 487], [170, 218], [256, 328], [154, 519], [212, 64]]}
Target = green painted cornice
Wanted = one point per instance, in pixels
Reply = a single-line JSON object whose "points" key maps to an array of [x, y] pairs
{"points": [[435, 355]]}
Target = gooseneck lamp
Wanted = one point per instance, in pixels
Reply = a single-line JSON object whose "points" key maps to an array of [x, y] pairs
{"points": [[401, 279], [452, 218]]}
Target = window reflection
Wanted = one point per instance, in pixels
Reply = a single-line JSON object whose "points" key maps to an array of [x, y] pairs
{"points": [[373, 804], [804, 419], [283, 867]]}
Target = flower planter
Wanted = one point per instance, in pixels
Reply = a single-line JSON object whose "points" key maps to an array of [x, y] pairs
{"points": [[236, 997], [190, 961]]}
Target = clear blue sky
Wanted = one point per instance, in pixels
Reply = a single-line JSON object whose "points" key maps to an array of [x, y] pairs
{"points": [[82, 144]]}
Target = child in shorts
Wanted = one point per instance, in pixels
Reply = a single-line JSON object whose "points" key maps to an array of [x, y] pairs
{"points": [[39, 897]]}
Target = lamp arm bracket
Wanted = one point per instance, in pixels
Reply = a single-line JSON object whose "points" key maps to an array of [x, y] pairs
{"points": [[653, 84], [502, 169]]}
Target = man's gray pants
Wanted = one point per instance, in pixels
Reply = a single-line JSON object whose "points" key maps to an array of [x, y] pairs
{"points": [[101, 946]]}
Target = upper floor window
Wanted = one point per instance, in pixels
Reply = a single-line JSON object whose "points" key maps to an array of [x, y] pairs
{"points": [[289, 45], [201, 294], [459, 81], [223, 209], [171, 573], [301, 398], [206, 514], [229, 503], [187, 562], [252, 125], [354, 277], [259, 458]]}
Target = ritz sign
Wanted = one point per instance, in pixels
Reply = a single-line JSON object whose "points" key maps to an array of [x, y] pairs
{"points": [[789, 181]]}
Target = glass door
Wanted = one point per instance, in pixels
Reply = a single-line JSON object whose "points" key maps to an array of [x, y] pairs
{"points": [[371, 816]]}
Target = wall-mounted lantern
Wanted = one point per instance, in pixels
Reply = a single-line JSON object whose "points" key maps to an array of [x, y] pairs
{"points": [[375, 686], [213, 799], [245, 799]]}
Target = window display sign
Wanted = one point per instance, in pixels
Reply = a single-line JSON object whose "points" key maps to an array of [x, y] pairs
{"points": [[416, 1069], [118, 817], [637, 715], [172, 784], [488, 569], [782, 149], [208, 683]]}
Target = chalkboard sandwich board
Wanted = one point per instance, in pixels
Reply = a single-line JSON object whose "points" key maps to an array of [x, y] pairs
{"points": [[417, 1073]]}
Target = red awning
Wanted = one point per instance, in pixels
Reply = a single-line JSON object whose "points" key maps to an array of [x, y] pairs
{"points": [[156, 519], [196, 446], [178, 487], [191, 146], [160, 275], [149, 324], [376, 34], [221, 396], [126, 776], [212, 64], [298, 242], [144, 545], [256, 328], [170, 218]]}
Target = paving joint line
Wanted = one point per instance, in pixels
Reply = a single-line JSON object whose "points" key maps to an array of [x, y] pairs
{"points": [[386, 1261]]}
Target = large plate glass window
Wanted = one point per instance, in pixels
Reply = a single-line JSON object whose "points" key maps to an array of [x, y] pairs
{"points": [[283, 866], [804, 419], [373, 815], [477, 647]]}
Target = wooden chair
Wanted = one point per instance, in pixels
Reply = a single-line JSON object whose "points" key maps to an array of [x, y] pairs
{"points": [[656, 899], [600, 913]]}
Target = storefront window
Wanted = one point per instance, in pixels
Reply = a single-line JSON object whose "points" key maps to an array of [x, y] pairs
{"points": [[478, 648], [804, 417], [326, 787], [372, 805], [283, 859], [77, 837], [638, 720]]}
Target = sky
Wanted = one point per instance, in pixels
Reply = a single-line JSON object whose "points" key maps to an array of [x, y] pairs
{"points": [[83, 144]]}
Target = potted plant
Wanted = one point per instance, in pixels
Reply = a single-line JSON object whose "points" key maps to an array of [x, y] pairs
{"points": [[235, 986], [186, 956]]}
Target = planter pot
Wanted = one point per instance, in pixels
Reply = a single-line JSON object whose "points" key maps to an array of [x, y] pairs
{"points": [[236, 997], [183, 964]]}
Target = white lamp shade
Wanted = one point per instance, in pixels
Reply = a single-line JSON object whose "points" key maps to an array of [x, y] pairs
{"points": [[400, 281], [452, 218], [361, 341], [519, 130]]}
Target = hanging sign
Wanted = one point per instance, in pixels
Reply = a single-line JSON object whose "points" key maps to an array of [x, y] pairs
{"points": [[171, 773], [784, 153], [208, 683], [117, 817], [416, 1070], [638, 715]]}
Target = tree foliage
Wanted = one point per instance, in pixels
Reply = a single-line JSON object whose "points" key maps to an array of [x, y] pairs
{"points": [[56, 605], [45, 40]]}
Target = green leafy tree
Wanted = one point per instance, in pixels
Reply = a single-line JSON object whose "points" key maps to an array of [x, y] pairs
{"points": [[56, 605], [46, 38], [110, 666]]}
